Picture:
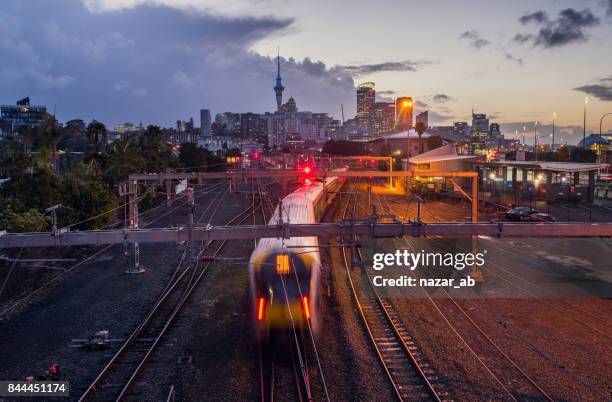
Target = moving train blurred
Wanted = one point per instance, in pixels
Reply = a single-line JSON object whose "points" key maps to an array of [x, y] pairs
{"points": [[284, 274]]}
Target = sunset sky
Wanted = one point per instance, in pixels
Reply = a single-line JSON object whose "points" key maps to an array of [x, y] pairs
{"points": [[163, 60]]}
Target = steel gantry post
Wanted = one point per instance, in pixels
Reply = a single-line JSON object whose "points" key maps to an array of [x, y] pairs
{"points": [[134, 268]]}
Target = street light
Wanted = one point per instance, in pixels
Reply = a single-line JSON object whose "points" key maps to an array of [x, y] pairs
{"points": [[552, 146], [586, 101], [601, 122]]}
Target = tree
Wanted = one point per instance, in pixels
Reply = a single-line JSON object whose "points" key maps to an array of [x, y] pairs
{"points": [[124, 158], [420, 129], [192, 156], [31, 220], [96, 132]]}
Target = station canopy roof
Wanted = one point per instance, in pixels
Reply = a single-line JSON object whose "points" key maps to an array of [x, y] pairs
{"points": [[552, 166], [441, 154]]}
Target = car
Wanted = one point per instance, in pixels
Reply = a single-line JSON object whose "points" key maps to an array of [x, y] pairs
{"points": [[518, 214], [539, 217]]}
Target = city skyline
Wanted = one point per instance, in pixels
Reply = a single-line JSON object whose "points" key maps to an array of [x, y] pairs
{"points": [[105, 59]]}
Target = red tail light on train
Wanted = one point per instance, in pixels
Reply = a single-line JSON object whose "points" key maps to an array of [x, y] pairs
{"points": [[306, 307], [260, 309]]}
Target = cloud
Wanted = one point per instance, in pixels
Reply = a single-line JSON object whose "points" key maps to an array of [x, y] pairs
{"points": [[569, 27], [513, 59], [96, 49], [442, 98], [420, 104], [475, 40], [439, 117], [398, 66], [609, 9], [602, 90], [538, 17], [386, 93], [155, 63]]}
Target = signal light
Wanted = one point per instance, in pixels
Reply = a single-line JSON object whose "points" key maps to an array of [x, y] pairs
{"points": [[306, 173], [260, 310], [255, 155], [306, 307]]}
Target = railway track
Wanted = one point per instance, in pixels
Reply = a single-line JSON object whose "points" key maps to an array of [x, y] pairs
{"points": [[117, 379], [276, 367], [409, 373], [504, 368]]}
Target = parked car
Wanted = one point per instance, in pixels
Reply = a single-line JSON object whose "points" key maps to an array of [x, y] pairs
{"points": [[519, 213], [539, 217]]}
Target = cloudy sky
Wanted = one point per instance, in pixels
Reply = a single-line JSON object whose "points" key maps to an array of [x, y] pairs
{"points": [[162, 60]]}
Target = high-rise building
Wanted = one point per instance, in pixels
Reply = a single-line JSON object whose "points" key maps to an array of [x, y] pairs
{"points": [[228, 123], [480, 125], [205, 123], [22, 115], [383, 117], [366, 96], [404, 109], [494, 130], [461, 128], [252, 125], [278, 88], [423, 117]]}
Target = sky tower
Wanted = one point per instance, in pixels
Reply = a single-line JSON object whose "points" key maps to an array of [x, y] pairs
{"points": [[278, 88]]}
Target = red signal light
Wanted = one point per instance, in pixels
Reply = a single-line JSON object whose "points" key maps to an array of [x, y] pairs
{"points": [[256, 155], [307, 169]]}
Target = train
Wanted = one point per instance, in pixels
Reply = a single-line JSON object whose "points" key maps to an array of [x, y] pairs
{"points": [[284, 274]]}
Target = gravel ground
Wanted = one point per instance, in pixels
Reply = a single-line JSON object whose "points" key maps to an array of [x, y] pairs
{"points": [[557, 342], [98, 295]]}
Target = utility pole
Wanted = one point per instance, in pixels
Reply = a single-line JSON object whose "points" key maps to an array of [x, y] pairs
{"points": [[53, 211], [131, 190], [190, 234]]}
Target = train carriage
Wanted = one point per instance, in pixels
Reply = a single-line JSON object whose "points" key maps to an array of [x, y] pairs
{"points": [[284, 274]]}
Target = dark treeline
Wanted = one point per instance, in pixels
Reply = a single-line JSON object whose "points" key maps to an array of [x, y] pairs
{"points": [[80, 169]]}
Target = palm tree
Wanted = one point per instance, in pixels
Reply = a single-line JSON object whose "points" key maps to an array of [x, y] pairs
{"points": [[420, 129], [124, 158]]}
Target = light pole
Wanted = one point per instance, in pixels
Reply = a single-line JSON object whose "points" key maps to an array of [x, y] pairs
{"points": [[586, 101], [524, 128], [552, 146], [535, 139], [601, 122]]}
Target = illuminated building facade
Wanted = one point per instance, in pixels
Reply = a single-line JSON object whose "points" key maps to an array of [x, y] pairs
{"points": [[366, 97], [404, 109], [22, 115]]}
